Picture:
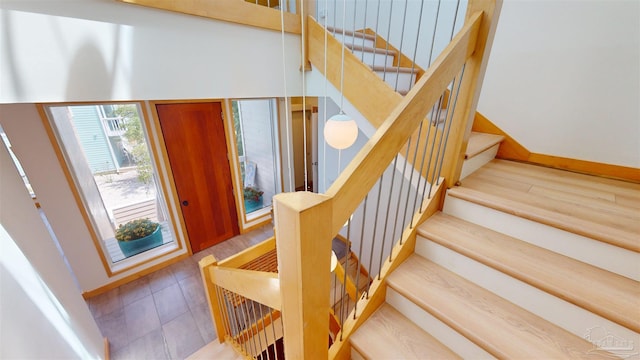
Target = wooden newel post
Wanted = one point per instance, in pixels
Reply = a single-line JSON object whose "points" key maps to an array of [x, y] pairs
{"points": [[212, 298], [303, 224], [470, 88]]}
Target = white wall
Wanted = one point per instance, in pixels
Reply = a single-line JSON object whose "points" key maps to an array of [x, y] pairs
{"points": [[98, 50], [564, 78], [43, 314]]}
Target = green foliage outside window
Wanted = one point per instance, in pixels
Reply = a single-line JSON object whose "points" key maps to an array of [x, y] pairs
{"points": [[135, 136]]}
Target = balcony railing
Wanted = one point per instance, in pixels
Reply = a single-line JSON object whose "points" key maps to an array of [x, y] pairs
{"points": [[115, 126]]}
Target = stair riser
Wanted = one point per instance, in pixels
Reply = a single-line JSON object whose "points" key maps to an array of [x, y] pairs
{"points": [[371, 59], [404, 80], [564, 314], [599, 254], [446, 335], [354, 40], [469, 166]]}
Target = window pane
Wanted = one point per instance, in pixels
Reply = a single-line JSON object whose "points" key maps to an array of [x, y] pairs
{"points": [[256, 138], [106, 150]]}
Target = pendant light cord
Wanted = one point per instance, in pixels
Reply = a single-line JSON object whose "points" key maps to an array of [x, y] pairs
{"points": [[304, 100], [344, 16], [286, 102]]}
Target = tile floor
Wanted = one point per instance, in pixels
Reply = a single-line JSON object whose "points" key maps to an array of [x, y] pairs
{"points": [[164, 315]]}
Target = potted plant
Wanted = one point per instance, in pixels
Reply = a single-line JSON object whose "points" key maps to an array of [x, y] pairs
{"points": [[252, 198], [138, 235]]}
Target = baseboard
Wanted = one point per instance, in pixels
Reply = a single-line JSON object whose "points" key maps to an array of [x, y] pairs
{"points": [[127, 279], [510, 149]]}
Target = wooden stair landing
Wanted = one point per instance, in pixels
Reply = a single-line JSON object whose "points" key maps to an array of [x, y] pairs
{"points": [[609, 295], [498, 326], [602, 209]]}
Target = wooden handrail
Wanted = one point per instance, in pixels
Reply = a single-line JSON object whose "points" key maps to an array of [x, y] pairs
{"points": [[263, 287], [361, 174], [377, 99], [235, 11]]}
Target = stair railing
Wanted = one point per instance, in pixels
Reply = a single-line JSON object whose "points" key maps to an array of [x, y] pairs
{"points": [[306, 222], [243, 294]]}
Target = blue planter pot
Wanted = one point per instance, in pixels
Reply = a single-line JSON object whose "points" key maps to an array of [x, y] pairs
{"points": [[252, 205], [133, 247]]}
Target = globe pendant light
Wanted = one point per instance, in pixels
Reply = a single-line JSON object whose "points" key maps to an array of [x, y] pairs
{"points": [[340, 131]]}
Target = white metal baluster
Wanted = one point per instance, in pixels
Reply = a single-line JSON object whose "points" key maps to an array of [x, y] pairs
{"points": [[335, 10], [366, 5], [245, 318], [255, 323], [404, 20], [375, 228], [386, 221], [373, 241], [415, 48], [433, 143], [375, 41], [404, 168], [453, 109], [406, 205], [364, 219], [224, 311], [264, 332], [343, 311], [433, 36], [273, 327], [353, 34], [384, 71], [424, 158]]}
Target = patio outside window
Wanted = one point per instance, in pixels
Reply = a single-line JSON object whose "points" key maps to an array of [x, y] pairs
{"points": [[106, 151]]}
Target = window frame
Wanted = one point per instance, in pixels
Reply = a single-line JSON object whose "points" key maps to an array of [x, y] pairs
{"points": [[159, 162]]}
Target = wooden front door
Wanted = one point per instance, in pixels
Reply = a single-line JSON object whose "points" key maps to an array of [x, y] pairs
{"points": [[197, 149]]}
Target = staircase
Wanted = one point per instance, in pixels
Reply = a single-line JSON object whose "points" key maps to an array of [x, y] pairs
{"points": [[383, 59], [523, 262]]}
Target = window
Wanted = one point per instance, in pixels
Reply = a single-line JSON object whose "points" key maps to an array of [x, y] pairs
{"points": [[255, 126], [106, 151]]}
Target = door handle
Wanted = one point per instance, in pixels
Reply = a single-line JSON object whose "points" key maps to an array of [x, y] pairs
{"points": [[185, 203]]}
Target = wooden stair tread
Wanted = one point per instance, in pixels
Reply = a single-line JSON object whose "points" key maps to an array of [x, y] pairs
{"points": [[498, 326], [609, 295], [356, 47], [595, 183], [479, 142], [393, 69], [572, 195], [388, 334], [351, 33], [563, 202], [576, 208], [604, 233]]}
